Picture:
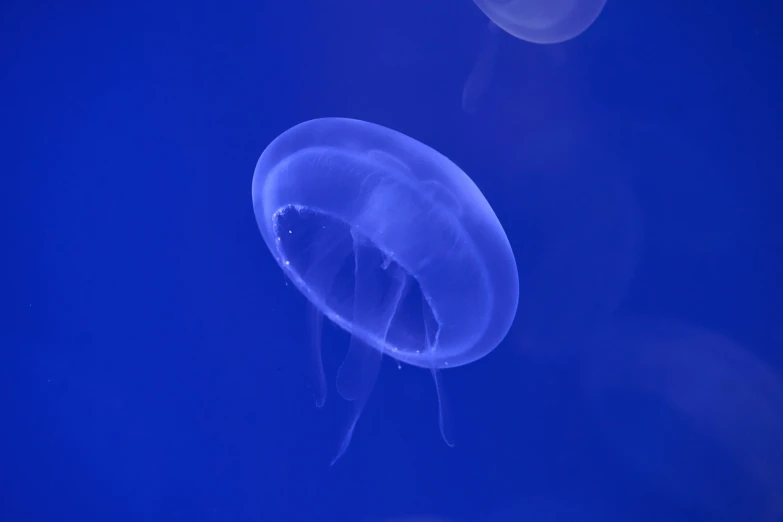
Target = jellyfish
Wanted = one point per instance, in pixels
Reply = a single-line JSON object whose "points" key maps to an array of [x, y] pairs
{"points": [[393, 243], [542, 21], [535, 21]]}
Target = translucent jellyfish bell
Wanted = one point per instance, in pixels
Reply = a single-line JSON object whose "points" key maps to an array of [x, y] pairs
{"points": [[542, 21], [694, 412], [393, 243]]}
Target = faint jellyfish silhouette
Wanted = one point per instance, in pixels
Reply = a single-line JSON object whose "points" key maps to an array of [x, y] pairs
{"points": [[535, 21], [481, 74], [393, 243], [542, 21], [695, 413], [551, 506]]}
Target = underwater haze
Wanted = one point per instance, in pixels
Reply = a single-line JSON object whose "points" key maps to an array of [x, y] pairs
{"points": [[373, 261]]}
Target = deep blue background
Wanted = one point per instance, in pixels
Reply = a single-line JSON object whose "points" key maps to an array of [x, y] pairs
{"points": [[153, 356]]}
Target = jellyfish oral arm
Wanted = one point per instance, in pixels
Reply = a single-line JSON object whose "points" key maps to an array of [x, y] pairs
{"points": [[365, 361], [444, 413], [329, 262], [374, 306], [481, 75]]}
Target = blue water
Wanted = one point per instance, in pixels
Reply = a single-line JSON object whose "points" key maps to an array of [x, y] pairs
{"points": [[155, 359]]}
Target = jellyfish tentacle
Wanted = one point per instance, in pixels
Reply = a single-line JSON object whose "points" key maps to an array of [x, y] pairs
{"points": [[351, 376], [377, 295], [315, 319]]}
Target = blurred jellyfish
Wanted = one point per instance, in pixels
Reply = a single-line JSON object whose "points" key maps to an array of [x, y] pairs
{"points": [[393, 243], [694, 412], [542, 21]]}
